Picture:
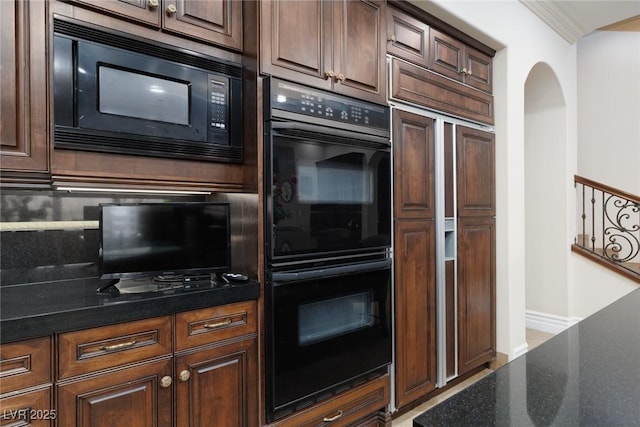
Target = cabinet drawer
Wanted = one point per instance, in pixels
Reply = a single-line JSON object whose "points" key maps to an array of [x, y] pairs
{"points": [[25, 364], [344, 409], [199, 327], [108, 346], [28, 409]]}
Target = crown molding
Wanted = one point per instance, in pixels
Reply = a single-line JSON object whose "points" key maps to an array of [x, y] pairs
{"points": [[557, 18]]}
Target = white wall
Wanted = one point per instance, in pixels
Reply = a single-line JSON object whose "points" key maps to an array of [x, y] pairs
{"points": [[522, 40], [609, 109]]}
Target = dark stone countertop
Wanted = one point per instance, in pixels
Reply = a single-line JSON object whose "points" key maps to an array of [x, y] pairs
{"points": [[588, 375], [40, 309]]}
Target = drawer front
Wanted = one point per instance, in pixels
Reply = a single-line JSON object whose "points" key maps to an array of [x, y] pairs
{"points": [[207, 325], [101, 348], [25, 364], [28, 409], [344, 409]]}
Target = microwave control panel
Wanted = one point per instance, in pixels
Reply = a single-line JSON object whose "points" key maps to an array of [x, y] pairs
{"points": [[218, 111]]}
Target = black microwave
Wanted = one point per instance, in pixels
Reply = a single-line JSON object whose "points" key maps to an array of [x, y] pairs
{"points": [[117, 93]]}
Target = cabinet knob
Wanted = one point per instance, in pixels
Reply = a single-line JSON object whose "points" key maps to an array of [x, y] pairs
{"points": [[341, 77], [184, 375], [329, 74], [392, 38], [469, 73], [165, 381], [171, 9], [463, 71], [153, 4]]}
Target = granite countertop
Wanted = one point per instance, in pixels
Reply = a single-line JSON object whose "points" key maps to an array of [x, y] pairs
{"points": [[40, 309], [588, 375]]}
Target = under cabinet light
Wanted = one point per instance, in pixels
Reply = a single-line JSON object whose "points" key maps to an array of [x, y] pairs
{"points": [[132, 191]]}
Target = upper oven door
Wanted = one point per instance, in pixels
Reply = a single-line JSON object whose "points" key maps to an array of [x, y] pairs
{"points": [[329, 193]]}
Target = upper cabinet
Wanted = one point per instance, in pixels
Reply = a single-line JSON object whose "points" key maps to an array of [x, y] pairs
{"points": [[212, 21], [23, 92], [452, 58], [336, 45], [407, 37]]}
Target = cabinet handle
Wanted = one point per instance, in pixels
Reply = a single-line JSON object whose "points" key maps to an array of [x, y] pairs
{"points": [[329, 74], [392, 38], [165, 381], [153, 4], [115, 347], [330, 419], [184, 375], [171, 9], [341, 77], [217, 324]]}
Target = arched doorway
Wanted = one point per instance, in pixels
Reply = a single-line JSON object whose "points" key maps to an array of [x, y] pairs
{"points": [[546, 195]]}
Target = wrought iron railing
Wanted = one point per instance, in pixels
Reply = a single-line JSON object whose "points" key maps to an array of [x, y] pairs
{"points": [[608, 226]]}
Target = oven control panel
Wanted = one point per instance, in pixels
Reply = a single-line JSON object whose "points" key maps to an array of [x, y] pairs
{"points": [[295, 98]]}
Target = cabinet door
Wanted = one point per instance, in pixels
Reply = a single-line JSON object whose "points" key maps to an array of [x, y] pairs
{"points": [[216, 21], [359, 49], [145, 11], [415, 313], [479, 69], [414, 163], [139, 396], [476, 186], [23, 90], [296, 39], [407, 37], [446, 55], [217, 386], [476, 292]]}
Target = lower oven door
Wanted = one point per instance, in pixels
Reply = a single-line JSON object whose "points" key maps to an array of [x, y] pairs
{"points": [[325, 334]]}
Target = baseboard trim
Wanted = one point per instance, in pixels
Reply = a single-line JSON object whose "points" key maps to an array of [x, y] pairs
{"points": [[546, 322], [520, 350]]}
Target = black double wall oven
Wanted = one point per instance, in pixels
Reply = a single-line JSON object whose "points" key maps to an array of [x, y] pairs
{"points": [[328, 239]]}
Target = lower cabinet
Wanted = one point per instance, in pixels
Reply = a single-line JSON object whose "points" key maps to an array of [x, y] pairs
{"points": [[213, 386], [362, 406], [191, 369], [476, 292], [25, 383], [415, 308], [135, 397]]}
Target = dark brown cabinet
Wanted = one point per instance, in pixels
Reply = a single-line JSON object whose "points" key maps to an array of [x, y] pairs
{"points": [[415, 308], [476, 188], [414, 256], [334, 45], [407, 37], [476, 292], [476, 247], [25, 389], [23, 92], [459, 61], [196, 368], [414, 166], [212, 21], [137, 396]]}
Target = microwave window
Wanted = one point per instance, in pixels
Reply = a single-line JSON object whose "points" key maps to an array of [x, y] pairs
{"points": [[129, 94]]}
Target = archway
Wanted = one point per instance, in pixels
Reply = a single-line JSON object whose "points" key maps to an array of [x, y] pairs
{"points": [[546, 195]]}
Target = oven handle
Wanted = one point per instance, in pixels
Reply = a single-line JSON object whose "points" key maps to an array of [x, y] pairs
{"points": [[293, 276], [321, 132]]}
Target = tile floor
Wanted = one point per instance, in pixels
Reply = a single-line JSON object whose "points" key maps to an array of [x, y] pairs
{"points": [[534, 338]]}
